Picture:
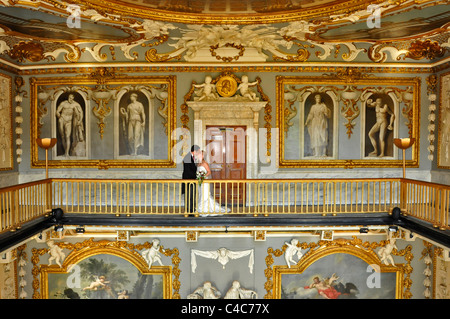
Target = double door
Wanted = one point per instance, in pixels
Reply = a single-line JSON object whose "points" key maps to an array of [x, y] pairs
{"points": [[226, 151]]}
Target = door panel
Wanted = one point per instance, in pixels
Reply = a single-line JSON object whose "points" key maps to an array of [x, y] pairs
{"points": [[226, 150]]}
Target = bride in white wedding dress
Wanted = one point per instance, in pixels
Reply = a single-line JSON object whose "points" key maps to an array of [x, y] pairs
{"points": [[206, 203]]}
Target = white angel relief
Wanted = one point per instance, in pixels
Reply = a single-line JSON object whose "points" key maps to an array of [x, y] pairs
{"points": [[223, 256]]}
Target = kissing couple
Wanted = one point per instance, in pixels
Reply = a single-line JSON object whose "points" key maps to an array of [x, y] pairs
{"points": [[193, 163]]}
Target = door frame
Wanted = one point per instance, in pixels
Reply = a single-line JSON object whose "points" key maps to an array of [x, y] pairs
{"points": [[230, 113]]}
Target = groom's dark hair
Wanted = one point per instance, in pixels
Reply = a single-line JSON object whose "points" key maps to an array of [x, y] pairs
{"points": [[195, 148]]}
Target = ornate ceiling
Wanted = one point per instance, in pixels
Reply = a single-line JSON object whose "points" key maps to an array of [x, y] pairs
{"points": [[39, 32]]}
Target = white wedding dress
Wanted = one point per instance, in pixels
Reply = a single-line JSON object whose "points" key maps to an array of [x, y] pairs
{"points": [[206, 203]]}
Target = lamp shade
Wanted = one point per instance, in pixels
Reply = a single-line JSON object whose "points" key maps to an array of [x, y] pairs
{"points": [[404, 143], [46, 143]]}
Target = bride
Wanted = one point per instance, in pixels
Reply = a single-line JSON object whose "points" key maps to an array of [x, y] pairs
{"points": [[206, 203]]}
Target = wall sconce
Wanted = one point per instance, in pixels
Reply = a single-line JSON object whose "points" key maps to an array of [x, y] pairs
{"points": [[403, 144], [46, 143]]}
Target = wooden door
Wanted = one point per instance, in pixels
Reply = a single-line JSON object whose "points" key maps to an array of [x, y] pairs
{"points": [[226, 154]]}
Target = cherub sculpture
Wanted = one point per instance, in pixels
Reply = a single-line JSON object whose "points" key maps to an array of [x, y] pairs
{"points": [[56, 253], [207, 291], [237, 292], [151, 255], [291, 250], [385, 252], [207, 90], [245, 90]]}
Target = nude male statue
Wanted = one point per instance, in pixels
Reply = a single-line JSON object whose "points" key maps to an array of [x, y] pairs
{"points": [[69, 114], [380, 126]]}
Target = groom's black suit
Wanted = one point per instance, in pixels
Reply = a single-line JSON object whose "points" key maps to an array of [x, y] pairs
{"points": [[189, 172]]}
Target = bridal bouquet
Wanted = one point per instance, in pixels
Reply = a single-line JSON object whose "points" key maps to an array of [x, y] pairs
{"points": [[200, 177]]}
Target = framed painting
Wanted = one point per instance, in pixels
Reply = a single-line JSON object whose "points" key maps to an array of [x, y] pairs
{"points": [[105, 273], [444, 123], [338, 273], [347, 120], [104, 120], [6, 141]]}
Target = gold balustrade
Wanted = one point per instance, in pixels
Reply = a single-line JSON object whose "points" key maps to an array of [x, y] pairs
{"points": [[23, 203], [254, 197], [251, 197]]}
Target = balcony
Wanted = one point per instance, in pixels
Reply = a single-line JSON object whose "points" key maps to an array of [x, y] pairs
{"points": [[422, 207]]}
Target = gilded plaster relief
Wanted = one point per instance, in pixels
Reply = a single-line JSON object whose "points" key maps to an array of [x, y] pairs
{"points": [[444, 123], [18, 98], [432, 82], [312, 111], [236, 291], [442, 274], [134, 115], [6, 127], [105, 270], [223, 256], [317, 272], [344, 34]]}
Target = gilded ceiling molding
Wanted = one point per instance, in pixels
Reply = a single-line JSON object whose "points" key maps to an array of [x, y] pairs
{"points": [[164, 68], [222, 38], [267, 13]]}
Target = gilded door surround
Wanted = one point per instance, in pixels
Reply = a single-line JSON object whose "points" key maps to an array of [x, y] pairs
{"points": [[227, 112]]}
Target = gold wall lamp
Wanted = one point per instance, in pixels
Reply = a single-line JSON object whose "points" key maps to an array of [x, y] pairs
{"points": [[403, 144], [46, 143]]}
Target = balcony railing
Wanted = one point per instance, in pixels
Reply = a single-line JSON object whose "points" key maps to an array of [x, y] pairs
{"points": [[259, 197]]}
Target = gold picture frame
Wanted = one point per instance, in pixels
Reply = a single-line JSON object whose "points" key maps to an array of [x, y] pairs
{"points": [[102, 120], [348, 96], [55, 275], [6, 124], [341, 252], [443, 147]]}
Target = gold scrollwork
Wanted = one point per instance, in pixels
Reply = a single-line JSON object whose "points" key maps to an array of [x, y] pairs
{"points": [[427, 49], [301, 56], [31, 51], [152, 55]]}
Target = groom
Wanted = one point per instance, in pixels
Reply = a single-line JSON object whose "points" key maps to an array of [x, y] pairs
{"points": [[190, 172]]}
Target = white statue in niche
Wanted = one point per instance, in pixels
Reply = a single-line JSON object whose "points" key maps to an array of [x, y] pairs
{"points": [[237, 292], [245, 90], [70, 122], [207, 291], [381, 126], [56, 253], [223, 256], [290, 252], [135, 119], [207, 90], [385, 252], [151, 255], [317, 124]]}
